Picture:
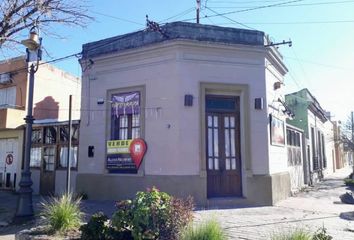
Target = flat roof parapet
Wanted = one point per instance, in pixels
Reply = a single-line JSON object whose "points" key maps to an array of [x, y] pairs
{"points": [[174, 30]]}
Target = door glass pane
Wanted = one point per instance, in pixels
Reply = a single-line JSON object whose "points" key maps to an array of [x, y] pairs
{"points": [[233, 163], [210, 121], [215, 121], [232, 122], [210, 163], [49, 158], [233, 154], [227, 163], [223, 104], [216, 163], [227, 142], [216, 143], [226, 122], [210, 142]]}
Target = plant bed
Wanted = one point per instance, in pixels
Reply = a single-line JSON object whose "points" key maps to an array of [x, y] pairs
{"points": [[60, 219], [349, 182], [150, 215], [45, 233]]}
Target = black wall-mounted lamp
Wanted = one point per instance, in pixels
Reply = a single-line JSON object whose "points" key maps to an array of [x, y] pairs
{"points": [[188, 100], [258, 103]]}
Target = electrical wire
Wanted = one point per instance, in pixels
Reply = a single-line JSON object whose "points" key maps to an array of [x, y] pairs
{"points": [[189, 10], [250, 9], [234, 21], [299, 23], [290, 5], [117, 18]]}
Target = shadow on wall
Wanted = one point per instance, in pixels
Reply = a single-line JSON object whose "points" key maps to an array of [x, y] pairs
{"points": [[48, 108]]}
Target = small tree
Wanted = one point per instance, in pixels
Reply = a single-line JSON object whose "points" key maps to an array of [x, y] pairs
{"points": [[17, 16], [348, 135]]}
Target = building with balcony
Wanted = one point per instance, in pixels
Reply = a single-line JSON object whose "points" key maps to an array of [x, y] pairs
{"points": [[52, 88]]}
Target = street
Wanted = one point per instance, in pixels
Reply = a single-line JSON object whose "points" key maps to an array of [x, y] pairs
{"points": [[310, 210]]}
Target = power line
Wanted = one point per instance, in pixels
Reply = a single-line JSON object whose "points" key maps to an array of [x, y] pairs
{"points": [[316, 63], [239, 23], [250, 9], [117, 18], [189, 10], [292, 5], [243, 2], [301, 22]]}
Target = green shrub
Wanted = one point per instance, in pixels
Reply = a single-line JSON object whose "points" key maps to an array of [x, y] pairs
{"points": [[349, 182], [63, 213], [295, 235], [153, 215], [321, 234], [209, 230], [96, 228]]}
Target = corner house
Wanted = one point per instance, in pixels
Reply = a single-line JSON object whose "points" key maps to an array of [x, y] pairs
{"points": [[191, 109]]}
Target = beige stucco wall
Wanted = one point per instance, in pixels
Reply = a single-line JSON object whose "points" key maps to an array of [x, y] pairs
{"points": [[166, 72], [53, 86]]}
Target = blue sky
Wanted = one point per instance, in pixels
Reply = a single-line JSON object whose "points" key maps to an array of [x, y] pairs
{"points": [[321, 59]]}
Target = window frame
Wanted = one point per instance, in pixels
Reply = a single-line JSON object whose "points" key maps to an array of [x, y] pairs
{"points": [[58, 144], [110, 126], [38, 145]]}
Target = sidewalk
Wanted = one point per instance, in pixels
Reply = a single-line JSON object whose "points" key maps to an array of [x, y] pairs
{"points": [[309, 210]]}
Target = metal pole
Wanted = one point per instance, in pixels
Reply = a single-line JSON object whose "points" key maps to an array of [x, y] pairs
{"points": [[352, 128], [198, 9], [69, 149], [24, 209]]}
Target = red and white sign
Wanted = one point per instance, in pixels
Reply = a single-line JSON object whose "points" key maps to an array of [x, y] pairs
{"points": [[9, 159], [137, 151]]}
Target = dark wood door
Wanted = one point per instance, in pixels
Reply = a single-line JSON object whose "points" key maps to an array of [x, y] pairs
{"points": [[47, 182], [223, 154]]}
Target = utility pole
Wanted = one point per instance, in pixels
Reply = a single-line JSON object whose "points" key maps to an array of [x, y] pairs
{"points": [[198, 9], [68, 165], [352, 141]]}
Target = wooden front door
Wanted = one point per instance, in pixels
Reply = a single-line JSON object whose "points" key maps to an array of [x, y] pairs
{"points": [[47, 182], [223, 147]]}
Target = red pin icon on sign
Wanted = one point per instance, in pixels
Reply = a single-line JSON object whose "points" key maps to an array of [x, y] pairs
{"points": [[137, 151]]}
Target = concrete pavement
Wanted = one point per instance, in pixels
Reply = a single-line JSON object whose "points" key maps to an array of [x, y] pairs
{"points": [[309, 210]]}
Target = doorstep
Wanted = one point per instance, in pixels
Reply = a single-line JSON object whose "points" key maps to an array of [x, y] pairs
{"points": [[228, 202]]}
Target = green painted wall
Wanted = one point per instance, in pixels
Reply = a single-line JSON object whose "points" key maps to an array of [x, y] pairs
{"points": [[298, 103]]}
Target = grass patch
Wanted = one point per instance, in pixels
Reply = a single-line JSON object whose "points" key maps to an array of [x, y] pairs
{"points": [[349, 182], [62, 214], [209, 230], [295, 235]]}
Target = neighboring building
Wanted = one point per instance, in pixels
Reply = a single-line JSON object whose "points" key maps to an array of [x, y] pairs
{"points": [[52, 88], [319, 133], [295, 144], [206, 101]]}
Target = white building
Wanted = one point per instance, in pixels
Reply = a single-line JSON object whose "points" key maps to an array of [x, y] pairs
{"points": [[205, 100]]}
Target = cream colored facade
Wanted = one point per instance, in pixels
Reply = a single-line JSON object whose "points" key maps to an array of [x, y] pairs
{"points": [[52, 88], [164, 71]]}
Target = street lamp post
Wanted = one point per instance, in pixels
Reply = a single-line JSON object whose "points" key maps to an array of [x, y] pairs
{"points": [[24, 209]]}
